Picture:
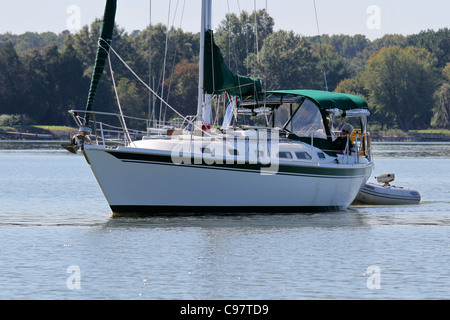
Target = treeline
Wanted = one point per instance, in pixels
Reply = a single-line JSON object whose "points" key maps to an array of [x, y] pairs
{"points": [[405, 79]]}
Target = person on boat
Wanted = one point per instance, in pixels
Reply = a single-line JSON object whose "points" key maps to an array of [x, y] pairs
{"points": [[340, 144]]}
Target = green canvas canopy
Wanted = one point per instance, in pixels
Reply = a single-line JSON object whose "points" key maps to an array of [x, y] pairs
{"points": [[218, 78], [323, 99], [326, 100]]}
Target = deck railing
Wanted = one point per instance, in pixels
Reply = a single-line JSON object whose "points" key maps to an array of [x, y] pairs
{"points": [[107, 134]]}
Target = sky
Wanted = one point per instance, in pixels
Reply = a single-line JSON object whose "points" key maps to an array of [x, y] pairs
{"points": [[373, 18]]}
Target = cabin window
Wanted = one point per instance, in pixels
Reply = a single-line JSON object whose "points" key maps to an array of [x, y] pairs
{"points": [[302, 155], [307, 121], [321, 155], [285, 155]]}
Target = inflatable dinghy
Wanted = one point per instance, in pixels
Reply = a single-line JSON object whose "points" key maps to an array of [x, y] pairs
{"points": [[386, 194]]}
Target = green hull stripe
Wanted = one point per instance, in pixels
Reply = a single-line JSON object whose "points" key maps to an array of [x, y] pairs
{"points": [[283, 169]]}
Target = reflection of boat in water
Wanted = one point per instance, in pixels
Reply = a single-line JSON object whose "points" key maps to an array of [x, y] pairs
{"points": [[386, 194], [272, 153]]}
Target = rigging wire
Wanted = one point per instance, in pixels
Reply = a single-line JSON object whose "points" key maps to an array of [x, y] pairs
{"points": [[122, 117], [320, 47], [151, 99], [154, 93], [176, 51], [165, 61], [232, 47], [175, 54], [229, 36], [256, 33]]}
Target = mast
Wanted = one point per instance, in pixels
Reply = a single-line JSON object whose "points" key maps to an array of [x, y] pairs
{"points": [[203, 114]]}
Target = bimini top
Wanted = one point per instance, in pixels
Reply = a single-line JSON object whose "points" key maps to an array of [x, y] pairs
{"points": [[326, 100]]}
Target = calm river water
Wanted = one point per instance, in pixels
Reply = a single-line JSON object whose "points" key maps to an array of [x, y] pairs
{"points": [[59, 241]]}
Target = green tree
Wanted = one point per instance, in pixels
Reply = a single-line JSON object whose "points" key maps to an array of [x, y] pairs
{"points": [[436, 42], [38, 93], [185, 88], [446, 72], [336, 68], [58, 85], [346, 46], [13, 82], [357, 87], [130, 96], [353, 86], [150, 49], [441, 118], [53, 76], [240, 36], [72, 85], [401, 83], [388, 40], [287, 61], [441, 110], [85, 45]]}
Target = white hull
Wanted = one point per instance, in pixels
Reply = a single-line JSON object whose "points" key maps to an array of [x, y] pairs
{"points": [[380, 195], [145, 181]]}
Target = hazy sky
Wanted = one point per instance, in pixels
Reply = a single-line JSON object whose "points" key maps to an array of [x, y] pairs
{"points": [[374, 18]]}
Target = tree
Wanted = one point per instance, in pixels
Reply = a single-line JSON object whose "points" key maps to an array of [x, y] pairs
{"points": [[446, 72], [85, 44], [185, 88], [401, 83], [353, 86], [38, 93], [150, 53], [388, 40], [441, 117], [131, 102], [346, 46], [53, 76], [335, 67], [286, 61], [13, 82], [42, 75], [357, 87], [72, 84], [436, 42], [238, 37]]}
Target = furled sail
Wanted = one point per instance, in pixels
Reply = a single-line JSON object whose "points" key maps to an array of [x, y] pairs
{"points": [[104, 44], [219, 78]]}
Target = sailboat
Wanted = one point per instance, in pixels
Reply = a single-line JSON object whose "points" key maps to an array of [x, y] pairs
{"points": [[273, 152]]}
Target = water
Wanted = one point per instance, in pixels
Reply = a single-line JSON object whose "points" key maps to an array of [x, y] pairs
{"points": [[59, 241]]}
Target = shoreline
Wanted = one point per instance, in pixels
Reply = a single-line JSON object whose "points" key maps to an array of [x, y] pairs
{"points": [[410, 137], [32, 133]]}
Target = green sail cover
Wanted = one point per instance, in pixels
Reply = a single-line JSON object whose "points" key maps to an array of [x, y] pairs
{"points": [[219, 78], [105, 40]]}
